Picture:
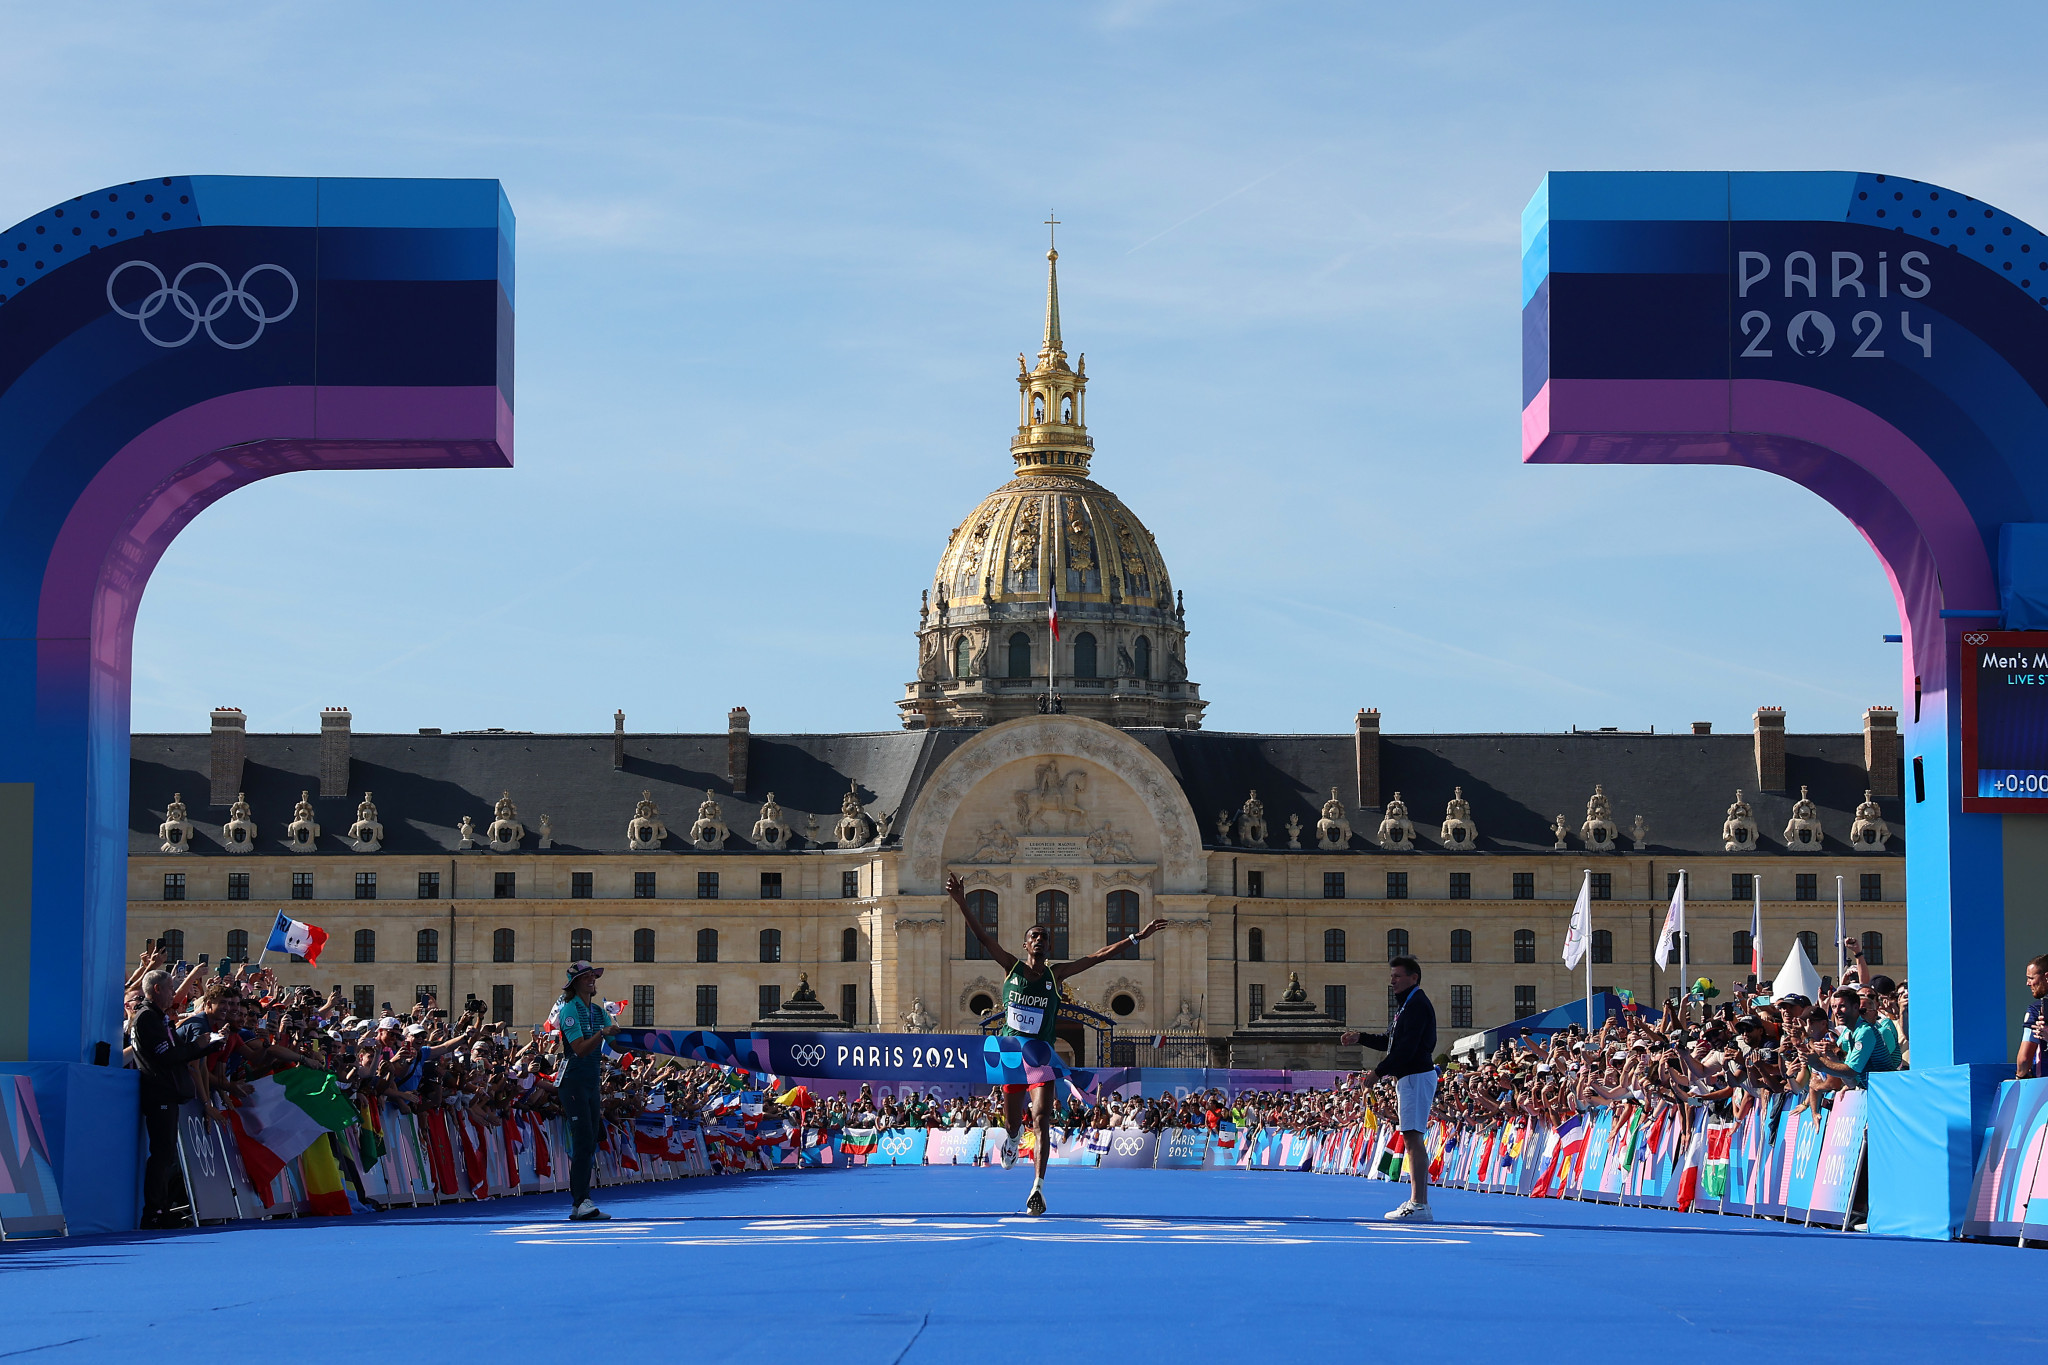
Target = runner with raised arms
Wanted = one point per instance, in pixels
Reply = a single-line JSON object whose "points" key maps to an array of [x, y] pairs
{"points": [[1031, 1007]]}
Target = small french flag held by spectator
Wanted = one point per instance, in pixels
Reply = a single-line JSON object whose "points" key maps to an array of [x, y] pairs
{"points": [[291, 936]]}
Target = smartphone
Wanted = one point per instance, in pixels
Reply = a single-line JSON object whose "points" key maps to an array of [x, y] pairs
{"points": [[202, 959]]}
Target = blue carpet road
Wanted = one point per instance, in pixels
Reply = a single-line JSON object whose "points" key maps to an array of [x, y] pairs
{"points": [[936, 1264]]}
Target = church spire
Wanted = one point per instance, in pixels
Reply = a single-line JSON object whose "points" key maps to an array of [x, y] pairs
{"points": [[1052, 432], [1052, 349]]}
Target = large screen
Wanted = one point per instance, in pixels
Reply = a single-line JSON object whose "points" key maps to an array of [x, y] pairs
{"points": [[2005, 720]]}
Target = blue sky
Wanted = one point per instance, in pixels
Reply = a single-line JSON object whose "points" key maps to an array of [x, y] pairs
{"points": [[775, 263]]}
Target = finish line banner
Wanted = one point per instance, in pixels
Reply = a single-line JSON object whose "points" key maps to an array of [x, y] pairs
{"points": [[972, 1058]]}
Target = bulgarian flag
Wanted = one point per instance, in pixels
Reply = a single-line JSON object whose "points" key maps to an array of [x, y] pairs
{"points": [[291, 936], [857, 1142], [287, 1114]]}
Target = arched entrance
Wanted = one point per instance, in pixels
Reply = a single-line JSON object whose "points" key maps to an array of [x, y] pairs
{"points": [[224, 330]]}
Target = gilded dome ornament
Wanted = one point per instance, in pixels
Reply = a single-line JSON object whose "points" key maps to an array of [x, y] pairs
{"points": [[985, 647]]}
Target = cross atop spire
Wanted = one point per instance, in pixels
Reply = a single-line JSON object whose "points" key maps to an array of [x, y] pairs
{"points": [[1052, 348]]}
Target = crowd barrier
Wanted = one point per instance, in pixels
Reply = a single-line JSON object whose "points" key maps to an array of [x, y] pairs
{"points": [[440, 1157], [2012, 1172], [1777, 1162]]}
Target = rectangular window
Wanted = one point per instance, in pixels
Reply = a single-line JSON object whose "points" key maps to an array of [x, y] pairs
{"points": [[1333, 1003], [707, 886], [1806, 886], [643, 886], [174, 886], [1525, 1001], [1461, 1007], [1255, 1001], [1603, 886], [1333, 886], [302, 886], [582, 885], [1741, 885], [1671, 883], [643, 1007], [1461, 886], [1397, 886], [1255, 884], [430, 886], [707, 1007], [366, 1001], [1873, 886], [505, 886], [771, 886], [1525, 886], [366, 886], [238, 886], [501, 1004], [771, 1000], [849, 886], [849, 1004]]}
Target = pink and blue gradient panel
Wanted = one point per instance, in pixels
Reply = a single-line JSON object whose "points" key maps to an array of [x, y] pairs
{"points": [[161, 344]]}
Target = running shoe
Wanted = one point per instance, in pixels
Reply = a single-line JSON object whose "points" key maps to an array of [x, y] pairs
{"points": [[1008, 1152], [587, 1212], [1035, 1205], [1411, 1212]]}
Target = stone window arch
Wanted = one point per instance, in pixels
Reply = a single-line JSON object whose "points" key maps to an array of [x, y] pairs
{"points": [[238, 945], [963, 657], [503, 943], [1037, 406], [1141, 656], [1020, 655], [366, 945], [643, 945], [1333, 945], [1740, 954], [1084, 655], [771, 945], [707, 945], [1067, 409], [1461, 945], [1525, 945], [1255, 946], [1603, 945], [426, 945], [1397, 943], [580, 941], [849, 946], [1120, 921]]}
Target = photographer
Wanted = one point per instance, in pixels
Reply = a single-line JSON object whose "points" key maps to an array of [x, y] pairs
{"points": [[164, 1060]]}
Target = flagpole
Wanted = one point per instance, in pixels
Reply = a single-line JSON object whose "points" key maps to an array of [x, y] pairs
{"points": [[1684, 966], [1842, 960], [1589, 952], [1756, 927]]}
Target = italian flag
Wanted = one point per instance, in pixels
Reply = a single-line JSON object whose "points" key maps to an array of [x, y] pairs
{"points": [[287, 1114]]}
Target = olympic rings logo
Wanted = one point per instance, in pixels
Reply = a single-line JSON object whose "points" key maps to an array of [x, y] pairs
{"points": [[807, 1054], [894, 1144], [233, 294], [1128, 1146], [1976, 638]]}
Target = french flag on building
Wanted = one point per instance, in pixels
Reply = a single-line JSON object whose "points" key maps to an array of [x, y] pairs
{"points": [[1054, 613], [291, 936]]}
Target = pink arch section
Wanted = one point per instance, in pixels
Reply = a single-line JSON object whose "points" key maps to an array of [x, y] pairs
{"points": [[1905, 507]]}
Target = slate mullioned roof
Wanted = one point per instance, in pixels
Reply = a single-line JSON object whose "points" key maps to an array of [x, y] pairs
{"points": [[1517, 784]]}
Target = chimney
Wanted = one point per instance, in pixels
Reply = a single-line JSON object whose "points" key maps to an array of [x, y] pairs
{"points": [[334, 732], [230, 731], [618, 739], [736, 736], [1770, 748], [1366, 743], [1882, 751], [1703, 727]]}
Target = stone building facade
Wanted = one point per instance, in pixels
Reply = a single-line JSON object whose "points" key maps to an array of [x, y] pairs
{"points": [[1066, 785]]}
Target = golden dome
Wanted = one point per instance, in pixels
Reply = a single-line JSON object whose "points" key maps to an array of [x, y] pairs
{"points": [[1042, 530]]}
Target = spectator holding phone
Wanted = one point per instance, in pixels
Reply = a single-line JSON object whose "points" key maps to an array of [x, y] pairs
{"points": [[164, 1060]]}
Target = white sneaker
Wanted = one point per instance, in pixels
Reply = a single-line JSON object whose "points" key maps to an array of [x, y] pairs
{"points": [[588, 1212], [1411, 1212], [1008, 1152]]}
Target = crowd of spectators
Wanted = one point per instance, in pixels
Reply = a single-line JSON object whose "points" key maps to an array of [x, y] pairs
{"points": [[207, 1033]]}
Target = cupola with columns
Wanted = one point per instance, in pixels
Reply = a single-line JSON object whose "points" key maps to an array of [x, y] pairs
{"points": [[986, 651]]}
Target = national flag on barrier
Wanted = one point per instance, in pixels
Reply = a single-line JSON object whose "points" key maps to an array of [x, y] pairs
{"points": [[857, 1142], [284, 1115], [295, 936], [1695, 1166], [1390, 1162], [1714, 1172]]}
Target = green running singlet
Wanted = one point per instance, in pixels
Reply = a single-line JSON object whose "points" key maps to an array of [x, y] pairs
{"points": [[1031, 1003]]}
